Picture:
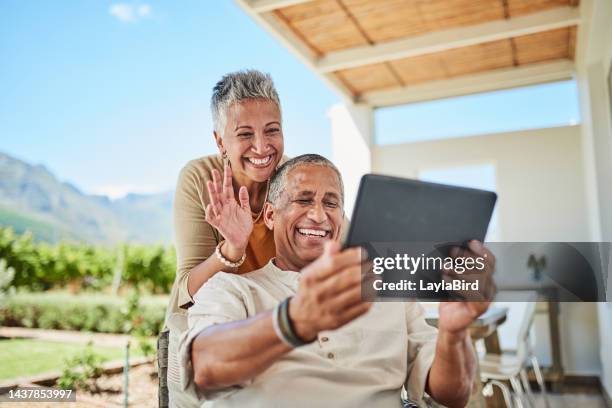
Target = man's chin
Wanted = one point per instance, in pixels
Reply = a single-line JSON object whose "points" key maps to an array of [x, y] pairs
{"points": [[308, 255]]}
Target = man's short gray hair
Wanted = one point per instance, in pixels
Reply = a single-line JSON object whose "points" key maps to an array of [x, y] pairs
{"points": [[278, 182], [238, 86]]}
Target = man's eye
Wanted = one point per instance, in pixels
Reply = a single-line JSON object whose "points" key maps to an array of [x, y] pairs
{"points": [[331, 204], [273, 131], [304, 201]]}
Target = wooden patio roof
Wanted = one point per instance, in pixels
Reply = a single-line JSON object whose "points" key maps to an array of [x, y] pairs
{"points": [[387, 52]]}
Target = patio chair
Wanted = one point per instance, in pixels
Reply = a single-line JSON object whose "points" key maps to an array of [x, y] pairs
{"points": [[509, 367]]}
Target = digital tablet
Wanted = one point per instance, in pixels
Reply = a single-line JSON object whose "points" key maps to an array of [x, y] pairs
{"points": [[400, 220], [393, 209]]}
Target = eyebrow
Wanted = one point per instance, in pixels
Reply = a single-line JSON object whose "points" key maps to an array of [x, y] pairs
{"points": [[251, 127], [304, 193]]}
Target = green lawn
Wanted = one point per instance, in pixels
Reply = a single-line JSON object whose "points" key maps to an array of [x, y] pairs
{"points": [[21, 357]]}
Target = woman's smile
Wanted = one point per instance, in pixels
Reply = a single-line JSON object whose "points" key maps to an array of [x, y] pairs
{"points": [[260, 162]]}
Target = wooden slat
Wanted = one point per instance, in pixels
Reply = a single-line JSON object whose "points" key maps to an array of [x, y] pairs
{"points": [[262, 6], [478, 58], [452, 63], [385, 20], [544, 46], [420, 69], [522, 7], [364, 79], [326, 26], [470, 84]]}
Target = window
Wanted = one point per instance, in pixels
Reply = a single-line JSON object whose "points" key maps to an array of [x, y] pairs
{"points": [[480, 176], [539, 106]]}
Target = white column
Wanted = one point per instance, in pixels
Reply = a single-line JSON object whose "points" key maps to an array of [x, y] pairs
{"points": [[593, 59], [593, 55], [352, 131]]}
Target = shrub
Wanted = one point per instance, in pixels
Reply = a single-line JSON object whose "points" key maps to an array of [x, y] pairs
{"points": [[81, 371], [91, 312], [40, 266]]}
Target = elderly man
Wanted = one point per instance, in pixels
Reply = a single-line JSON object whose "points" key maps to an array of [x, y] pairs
{"points": [[296, 333]]}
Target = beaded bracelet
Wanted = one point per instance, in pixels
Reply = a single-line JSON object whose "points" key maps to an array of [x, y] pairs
{"points": [[226, 261]]}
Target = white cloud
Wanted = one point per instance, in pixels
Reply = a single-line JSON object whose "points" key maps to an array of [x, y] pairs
{"points": [[144, 10], [128, 13], [119, 191]]}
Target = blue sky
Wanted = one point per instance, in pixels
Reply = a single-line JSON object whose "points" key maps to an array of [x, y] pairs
{"points": [[113, 96], [111, 104]]}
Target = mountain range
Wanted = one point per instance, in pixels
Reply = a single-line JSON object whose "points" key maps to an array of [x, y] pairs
{"points": [[33, 199]]}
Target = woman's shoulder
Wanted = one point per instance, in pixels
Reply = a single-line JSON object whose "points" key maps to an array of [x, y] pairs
{"points": [[202, 167]]}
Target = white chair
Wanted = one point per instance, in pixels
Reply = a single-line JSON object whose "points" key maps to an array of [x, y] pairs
{"points": [[496, 368]]}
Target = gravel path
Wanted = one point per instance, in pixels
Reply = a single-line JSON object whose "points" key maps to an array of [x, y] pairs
{"points": [[98, 339]]}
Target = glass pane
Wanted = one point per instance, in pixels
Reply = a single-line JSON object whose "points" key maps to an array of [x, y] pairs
{"points": [[539, 106]]}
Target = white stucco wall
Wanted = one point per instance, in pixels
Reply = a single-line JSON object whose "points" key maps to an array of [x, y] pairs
{"points": [[539, 177]]}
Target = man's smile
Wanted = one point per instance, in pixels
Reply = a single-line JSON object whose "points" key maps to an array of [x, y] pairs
{"points": [[313, 234]]}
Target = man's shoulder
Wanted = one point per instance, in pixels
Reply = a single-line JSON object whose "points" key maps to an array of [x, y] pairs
{"points": [[233, 279]]}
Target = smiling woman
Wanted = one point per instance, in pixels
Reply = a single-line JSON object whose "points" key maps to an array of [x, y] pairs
{"points": [[217, 218]]}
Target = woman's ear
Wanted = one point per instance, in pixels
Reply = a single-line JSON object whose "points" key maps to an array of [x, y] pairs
{"points": [[268, 215], [218, 141]]}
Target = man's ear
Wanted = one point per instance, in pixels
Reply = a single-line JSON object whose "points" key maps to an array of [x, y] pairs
{"points": [[268, 215], [218, 141]]}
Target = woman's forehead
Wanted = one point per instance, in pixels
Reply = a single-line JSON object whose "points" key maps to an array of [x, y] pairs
{"points": [[250, 109]]}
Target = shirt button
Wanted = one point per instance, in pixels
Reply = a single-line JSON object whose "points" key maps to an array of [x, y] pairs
{"points": [[324, 339], [330, 355]]}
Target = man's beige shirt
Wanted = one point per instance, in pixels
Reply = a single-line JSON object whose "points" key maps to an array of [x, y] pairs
{"points": [[362, 364]]}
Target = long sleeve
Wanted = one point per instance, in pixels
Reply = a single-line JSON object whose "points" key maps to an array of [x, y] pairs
{"points": [[195, 238], [421, 350]]}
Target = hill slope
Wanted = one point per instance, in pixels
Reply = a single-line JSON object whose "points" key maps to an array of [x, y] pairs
{"points": [[32, 198]]}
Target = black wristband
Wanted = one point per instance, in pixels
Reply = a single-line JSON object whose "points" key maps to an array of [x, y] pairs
{"points": [[286, 325]]}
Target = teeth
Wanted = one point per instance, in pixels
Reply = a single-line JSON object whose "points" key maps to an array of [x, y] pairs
{"points": [[260, 161], [317, 233]]}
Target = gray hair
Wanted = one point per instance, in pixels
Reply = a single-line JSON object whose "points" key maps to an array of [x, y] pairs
{"points": [[278, 182], [237, 86]]}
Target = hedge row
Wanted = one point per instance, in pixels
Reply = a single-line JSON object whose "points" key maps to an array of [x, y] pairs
{"points": [[96, 313], [40, 266]]}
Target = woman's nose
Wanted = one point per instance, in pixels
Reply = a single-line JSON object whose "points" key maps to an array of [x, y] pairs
{"points": [[260, 146]]}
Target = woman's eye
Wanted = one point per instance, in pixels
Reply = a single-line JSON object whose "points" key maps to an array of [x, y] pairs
{"points": [[273, 131], [244, 135]]}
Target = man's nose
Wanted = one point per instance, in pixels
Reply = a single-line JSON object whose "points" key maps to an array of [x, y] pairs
{"points": [[317, 214], [260, 145]]}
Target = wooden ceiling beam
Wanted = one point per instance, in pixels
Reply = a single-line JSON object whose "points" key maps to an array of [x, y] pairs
{"points": [[448, 39], [263, 6], [471, 84]]}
